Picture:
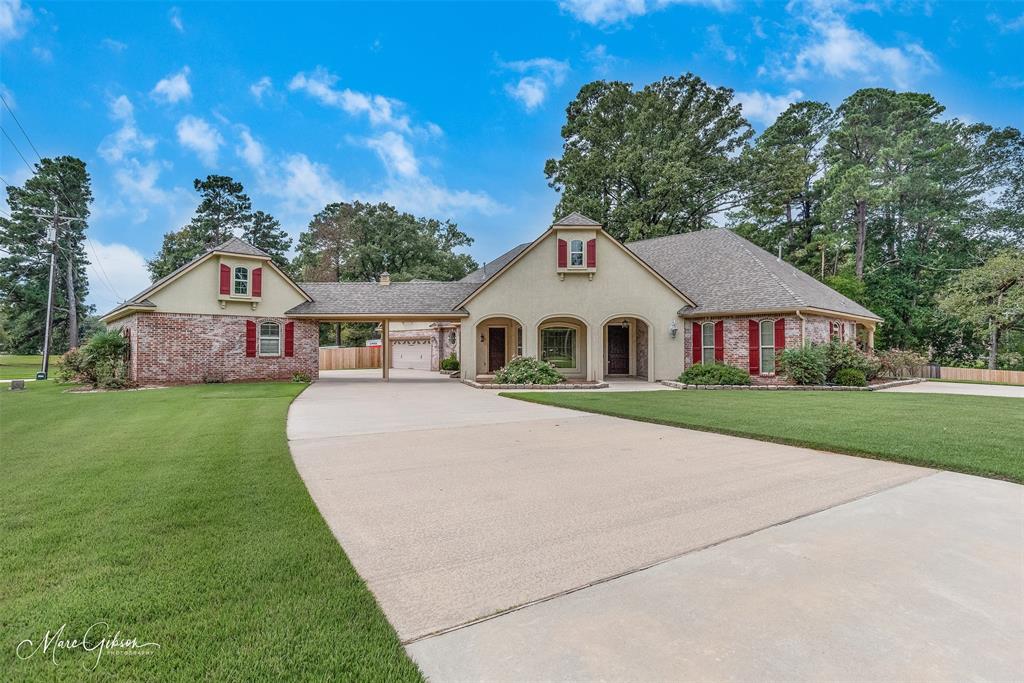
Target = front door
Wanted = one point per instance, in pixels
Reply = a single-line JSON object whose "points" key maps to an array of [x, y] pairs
{"points": [[618, 350], [495, 348]]}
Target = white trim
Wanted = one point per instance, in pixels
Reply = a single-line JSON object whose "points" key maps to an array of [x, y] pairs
{"points": [[558, 325], [761, 347], [260, 337], [704, 348], [582, 252]]}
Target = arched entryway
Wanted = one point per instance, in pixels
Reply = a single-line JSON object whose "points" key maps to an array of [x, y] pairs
{"points": [[563, 341], [628, 348], [498, 340]]}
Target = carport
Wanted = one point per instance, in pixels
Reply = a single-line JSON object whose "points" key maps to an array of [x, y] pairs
{"points": [[384, 302]]}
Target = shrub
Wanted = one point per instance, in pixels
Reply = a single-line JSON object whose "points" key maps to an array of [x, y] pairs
{"points": [[450, 364], [851, 377], [806, 365], [300, 378], [897, 363], [99, 363], [525, 370], [714, 374], [840, 355]]}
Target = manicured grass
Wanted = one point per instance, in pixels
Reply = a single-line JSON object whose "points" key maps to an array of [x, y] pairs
{"points": [[23, 367], [972, 434], [177, 517]]}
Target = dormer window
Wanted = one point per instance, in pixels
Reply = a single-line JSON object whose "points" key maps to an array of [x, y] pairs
{"points": [[241, 281], [576, 253]]}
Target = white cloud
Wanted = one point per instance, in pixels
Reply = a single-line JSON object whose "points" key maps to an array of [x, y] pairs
{"points": [[137, 181], [14, 19], [396, 154], [114, 45], [174, 15], [128, 138], [764, 108], [380, 110], [43, 54], [539, 75], [120, 268], [261, 88], [202, 138], [173, 87], [607, 12], [838, 50], [250, 150]]}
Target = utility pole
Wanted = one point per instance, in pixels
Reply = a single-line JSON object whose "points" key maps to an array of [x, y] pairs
{"points": [[51, 237]]}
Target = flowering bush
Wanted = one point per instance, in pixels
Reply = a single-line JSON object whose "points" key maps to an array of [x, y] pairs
{"points": [[523, 370]]}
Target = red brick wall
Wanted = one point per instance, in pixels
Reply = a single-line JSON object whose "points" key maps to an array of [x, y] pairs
{"points": [[180, 348]]}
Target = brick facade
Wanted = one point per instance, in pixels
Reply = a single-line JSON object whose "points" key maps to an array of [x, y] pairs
{"points": [[816, 330], [180, 348]]}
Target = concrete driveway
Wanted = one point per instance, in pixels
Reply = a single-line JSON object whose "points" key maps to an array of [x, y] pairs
{"points": [[960, 388], [512, 541]]}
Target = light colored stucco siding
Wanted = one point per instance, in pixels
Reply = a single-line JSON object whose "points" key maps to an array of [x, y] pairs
{"points": [[197, 292], [530, 292]]}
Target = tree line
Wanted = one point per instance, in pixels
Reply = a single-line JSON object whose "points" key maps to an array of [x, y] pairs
{"points": [[916, 215]]}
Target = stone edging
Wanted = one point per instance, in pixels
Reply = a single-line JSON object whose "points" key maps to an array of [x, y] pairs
{"points": [[535, 387], [788, 387]]}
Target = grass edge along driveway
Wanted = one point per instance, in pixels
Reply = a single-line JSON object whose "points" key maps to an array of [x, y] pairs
{"points": [[177, 517], [971, 434]]}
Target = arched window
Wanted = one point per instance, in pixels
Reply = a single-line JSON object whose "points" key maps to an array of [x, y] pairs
{"points": [[270, 338], [837, 331], [241, 281], [707, 344], [558, 347], [576, 253], [767, 347]]}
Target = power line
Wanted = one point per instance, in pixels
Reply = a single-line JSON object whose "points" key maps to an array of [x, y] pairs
{"points": [[15, 146], [20, 127]]}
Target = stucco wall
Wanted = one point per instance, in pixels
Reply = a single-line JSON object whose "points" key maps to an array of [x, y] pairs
{"points": [[531, 291]]}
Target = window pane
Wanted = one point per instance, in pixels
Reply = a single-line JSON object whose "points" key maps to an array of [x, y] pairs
{"points": [[576, 253], [558, 346], [241, 280], [708, 333], [708, 357], [270, 330], [767, 359], [768, 333], [270, 346]]}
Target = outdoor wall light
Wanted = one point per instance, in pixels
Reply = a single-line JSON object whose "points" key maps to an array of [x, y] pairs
{"points": [[673, 329], [481, 339]]}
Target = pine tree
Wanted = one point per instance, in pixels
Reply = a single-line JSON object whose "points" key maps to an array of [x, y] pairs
{"points": [[265, 232]]}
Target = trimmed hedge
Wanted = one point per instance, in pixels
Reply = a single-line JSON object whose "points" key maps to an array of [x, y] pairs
{"points": [[714, 374], [525, 370], [851, 377]]}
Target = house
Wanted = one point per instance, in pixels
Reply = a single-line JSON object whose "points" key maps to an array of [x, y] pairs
{"points": [[576, 297]]}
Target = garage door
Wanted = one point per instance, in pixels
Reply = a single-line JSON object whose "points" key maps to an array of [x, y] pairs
{"points": [[412, 355]]}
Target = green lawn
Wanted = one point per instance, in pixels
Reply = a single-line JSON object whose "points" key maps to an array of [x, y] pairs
{"points": [[23, 367], [973, 434], [177, 517]]}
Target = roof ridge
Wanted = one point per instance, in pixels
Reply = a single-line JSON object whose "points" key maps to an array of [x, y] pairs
{"points": [[680, 234], [743, 243]]}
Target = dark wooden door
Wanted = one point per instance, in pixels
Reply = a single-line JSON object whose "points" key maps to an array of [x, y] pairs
{"points": [[618, 350], [495, 348]]}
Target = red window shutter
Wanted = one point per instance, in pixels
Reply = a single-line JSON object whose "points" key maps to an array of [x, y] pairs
{"points": [[563, 254], [289, 339], [250, 338], [780, 337], [842, 331], [720, 342], [698, 344], [257, 281], [754, 342], [592, 253], [225, 279]]}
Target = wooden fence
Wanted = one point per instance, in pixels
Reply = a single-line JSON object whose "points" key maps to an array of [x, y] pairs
{"points": [[972, 374], [350, 358]]}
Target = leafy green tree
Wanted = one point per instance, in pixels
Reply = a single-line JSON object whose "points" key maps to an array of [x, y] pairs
{"points": [[990, 296], [655, 161], [24, 256], [224, 210], [360, 241]]}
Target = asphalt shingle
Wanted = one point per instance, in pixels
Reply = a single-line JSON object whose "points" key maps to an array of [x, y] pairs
{"points": [[397, 298]]}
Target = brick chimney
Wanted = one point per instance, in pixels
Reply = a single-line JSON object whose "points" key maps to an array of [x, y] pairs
{"points": [[384, 280]]}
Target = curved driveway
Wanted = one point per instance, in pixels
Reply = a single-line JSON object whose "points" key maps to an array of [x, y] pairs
{"points": [[613, 549]]}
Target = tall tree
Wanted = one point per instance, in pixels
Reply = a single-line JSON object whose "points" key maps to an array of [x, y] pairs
{"points": [[657, 161], [991, 297], [224, 210], [360, 241], [63, 182]]}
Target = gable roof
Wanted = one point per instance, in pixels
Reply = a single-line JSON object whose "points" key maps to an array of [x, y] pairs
{"points": [[370, 298], [725, 273], [486, 271], [576, 219], [232, 245]]}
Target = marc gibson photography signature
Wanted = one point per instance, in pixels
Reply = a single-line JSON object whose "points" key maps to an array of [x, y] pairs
{"points": [[96, 639]]}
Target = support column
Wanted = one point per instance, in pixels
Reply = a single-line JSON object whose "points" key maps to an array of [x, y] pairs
{"points": [[871, 338], [385, 350]]}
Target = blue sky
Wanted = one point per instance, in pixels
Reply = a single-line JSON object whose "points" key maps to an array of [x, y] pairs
{"points": [[446, 110]]}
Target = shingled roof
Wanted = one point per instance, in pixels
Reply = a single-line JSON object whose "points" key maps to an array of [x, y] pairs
{"points": [[236, 246], [576, 219], [724, 273], [397, 298], [485, 273]]}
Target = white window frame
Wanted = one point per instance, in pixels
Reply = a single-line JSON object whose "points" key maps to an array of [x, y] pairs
{"points": [[762, 346], [835, 332], [707, 353], [573, 252], [519, 341], [261, 337], [235, 281], [576, 344]]}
